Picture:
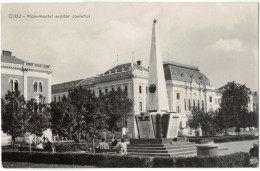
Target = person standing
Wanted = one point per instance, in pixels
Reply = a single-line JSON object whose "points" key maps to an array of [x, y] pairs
{"points": [[103, 144], [123, 146]]}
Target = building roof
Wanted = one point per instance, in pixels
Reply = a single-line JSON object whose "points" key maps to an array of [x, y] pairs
{"points": [[182, 72], [86, 82], [64, 86], [11, 59], [125, 67]]}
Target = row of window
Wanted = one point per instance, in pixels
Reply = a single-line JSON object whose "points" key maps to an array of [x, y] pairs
{"points": [[112, 89], [140, 89], [14, 85], [37, 86], [217, 101], [194, 104]]}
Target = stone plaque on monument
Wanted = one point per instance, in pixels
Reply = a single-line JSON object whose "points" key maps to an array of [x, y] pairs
{"points": [[174, 124], [160, 124], [144, 125]]}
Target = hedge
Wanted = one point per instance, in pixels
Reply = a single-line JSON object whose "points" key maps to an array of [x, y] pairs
{"points": [[63, 147], [222, 139], [103, 160]]}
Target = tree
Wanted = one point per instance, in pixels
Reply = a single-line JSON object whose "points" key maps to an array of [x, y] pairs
{"points": [[118, 108], [82, 105], [234, 106], [39, 118], [61, 118], [204, 120], [14, 115]]}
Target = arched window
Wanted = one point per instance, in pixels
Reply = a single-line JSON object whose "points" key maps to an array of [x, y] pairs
{"points": [[198, 104], [35, 86], [202, 105], [40, 86], [16, 85], [11, 85]]}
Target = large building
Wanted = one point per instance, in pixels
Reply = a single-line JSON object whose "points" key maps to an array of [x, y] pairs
{"points": [[31, 79], [187, 88]]}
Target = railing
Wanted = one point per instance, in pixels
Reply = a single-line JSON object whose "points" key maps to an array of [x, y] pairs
{"points": [[37, 65]]}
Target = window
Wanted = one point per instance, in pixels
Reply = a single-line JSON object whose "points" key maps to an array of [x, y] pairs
{"points": [[189, 105], [178, 96], [210, 99], [16, 85], [106, 90], [178, 109], [100, 91], [35, 86], [202, 105], [198, 104], [40, 86], [113, 89], [125, 88], [55, 98], [11, 85], [140, 107], [194, 104], [185, 104], [140, 89], [59, 98]]}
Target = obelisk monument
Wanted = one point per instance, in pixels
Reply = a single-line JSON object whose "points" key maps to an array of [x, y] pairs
{"points": [[158, 121], [157, 100]]}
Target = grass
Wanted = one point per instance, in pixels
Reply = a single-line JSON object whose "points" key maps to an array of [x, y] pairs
{"points": [[34, 165]]}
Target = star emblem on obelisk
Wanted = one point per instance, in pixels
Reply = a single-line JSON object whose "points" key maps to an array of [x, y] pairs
{"points": [[154, 21]]}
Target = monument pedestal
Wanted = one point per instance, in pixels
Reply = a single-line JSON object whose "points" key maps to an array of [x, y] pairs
{"points": [[158, 125], [161, 147]]}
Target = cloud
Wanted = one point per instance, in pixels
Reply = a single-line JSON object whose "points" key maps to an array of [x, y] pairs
{"points": [[220, 38], [228, 45]]}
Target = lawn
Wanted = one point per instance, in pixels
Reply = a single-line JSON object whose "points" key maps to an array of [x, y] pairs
{"points": [[34, 165], [237, 146]]}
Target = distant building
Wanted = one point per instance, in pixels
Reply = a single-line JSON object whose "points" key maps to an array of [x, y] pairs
{"points": [[31, 79], [187, 88]]}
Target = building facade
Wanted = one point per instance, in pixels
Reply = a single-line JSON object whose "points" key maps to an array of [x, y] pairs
{"points": [[31, 79], [187, 88]]}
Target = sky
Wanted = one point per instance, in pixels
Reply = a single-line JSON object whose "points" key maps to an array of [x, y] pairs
{"points": [[220, 38]]}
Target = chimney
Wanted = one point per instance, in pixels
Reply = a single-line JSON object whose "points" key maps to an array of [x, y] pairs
{"points": [[139, 63], [6, 53]]}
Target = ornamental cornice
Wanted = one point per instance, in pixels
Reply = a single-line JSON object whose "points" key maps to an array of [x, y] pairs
{"points": [[23, 68]]}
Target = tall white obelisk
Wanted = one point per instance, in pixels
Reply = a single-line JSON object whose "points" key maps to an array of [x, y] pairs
{"points": [[157, 100]]}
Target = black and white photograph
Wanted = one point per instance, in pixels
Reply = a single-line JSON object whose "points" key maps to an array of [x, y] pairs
{"points": [[130, 85]]}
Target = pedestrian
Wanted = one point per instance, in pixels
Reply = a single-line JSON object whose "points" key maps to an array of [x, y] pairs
{"points": [[123, 146], [103, 144], [114, 142]]}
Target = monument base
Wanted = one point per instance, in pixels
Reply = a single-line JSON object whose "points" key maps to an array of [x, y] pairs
{"points": [[151, 141], [157, 125], [161, 147]]}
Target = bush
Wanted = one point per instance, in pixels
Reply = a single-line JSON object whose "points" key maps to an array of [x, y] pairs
{"points": [[232, 160], [254, 152], [63, 147], [222, 139], [101, 160]]}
